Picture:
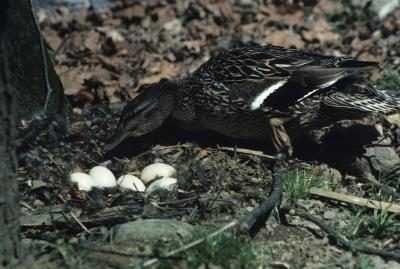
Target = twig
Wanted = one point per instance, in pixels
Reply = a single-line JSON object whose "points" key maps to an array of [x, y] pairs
{"points": [[160, 148], [39, 124], [386, 189], [361, 50], [27, 206], [190, 245], [382, 145], [391, 207], [248, 151], [341, 240], [177, 202], [80, 223], [59, 196], [256, 219], [36, 126], [60, 46]]}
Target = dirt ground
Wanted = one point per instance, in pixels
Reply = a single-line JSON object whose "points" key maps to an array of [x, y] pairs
{"points": [[103, 57]]}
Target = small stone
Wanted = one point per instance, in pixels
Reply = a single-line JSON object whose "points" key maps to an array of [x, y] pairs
{"points": [[249, 208], [325, 240], [312, 226], [392, 264], [256, 180], [152, 230], [174, 27], [378, 262], [330, 214], [38, 203]]}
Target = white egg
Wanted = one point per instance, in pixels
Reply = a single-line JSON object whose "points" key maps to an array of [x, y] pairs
{"points": [[156, 170], [85, 182], [103, 177], [131, 182], [168, 183]]}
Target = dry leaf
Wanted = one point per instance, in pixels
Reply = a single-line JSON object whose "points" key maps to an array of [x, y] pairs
{"points": [[135, 11], [321, 32], [72, 78], [394, 119], [91, 40], [286, 38], [325, 7], [164, 14], [163, 69], [295, 18], [52, 38], [124, 80]]}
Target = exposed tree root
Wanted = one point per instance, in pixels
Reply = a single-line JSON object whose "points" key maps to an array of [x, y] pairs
{"points": [[255, 220]]}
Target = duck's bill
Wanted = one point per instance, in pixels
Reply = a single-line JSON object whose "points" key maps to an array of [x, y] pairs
{"points": [[115, 140]]}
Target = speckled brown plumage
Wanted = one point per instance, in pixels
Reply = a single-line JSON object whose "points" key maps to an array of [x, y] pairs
{"points": [[254, 92]]}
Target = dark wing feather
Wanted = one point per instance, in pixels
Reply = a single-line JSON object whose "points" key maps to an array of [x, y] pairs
{"points": [[249, 64], [269, 63], [256, 68]]}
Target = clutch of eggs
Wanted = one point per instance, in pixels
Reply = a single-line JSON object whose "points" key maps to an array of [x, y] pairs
{"points": [[160, 175]]}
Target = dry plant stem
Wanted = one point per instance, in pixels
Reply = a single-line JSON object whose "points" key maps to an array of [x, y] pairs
{"points": [[390, 207], [255, 220], [238, 150], [248, 151], [386, 189], [341, 240], [383, 145], [177, 202], [80, 223], [36, 126], [27, 206], [190, 245]]}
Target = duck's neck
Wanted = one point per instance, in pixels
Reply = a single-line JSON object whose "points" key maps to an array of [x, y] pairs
{"points": [[185, 100]]}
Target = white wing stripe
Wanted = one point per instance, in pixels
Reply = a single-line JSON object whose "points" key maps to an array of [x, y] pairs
{"points": [[259, 100]]}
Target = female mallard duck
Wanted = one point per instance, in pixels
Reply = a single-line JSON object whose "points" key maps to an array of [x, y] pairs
{"points": [[256, 92]]}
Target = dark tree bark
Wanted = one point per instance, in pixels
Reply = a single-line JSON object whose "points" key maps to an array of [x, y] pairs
{"points": [[9, 206], [38, 88], [29, 86]]}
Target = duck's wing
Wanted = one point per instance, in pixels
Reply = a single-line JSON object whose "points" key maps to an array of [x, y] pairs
{"points": [[261, 74], [361, 98]]}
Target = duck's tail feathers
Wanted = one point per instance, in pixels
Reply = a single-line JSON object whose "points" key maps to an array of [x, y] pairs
{"points": [[364, 65], [362, 99], [318, 76]]}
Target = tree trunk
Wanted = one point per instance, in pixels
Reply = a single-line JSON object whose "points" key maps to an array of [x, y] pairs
{"points": [[38, 88], [9, 206]]}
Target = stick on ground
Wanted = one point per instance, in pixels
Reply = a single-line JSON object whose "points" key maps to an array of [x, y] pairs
{"points": [[249, 152], [341, 240], [390, 207]]}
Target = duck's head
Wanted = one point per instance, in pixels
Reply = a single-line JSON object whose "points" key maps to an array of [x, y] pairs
{"points": [[144, 113]]}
